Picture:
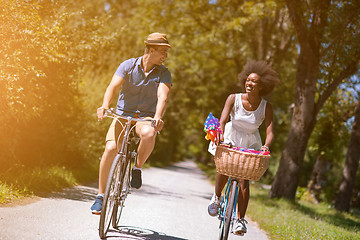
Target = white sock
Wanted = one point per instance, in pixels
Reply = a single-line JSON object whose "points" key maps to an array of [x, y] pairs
{"points": [[136, 168], [100, 195]]}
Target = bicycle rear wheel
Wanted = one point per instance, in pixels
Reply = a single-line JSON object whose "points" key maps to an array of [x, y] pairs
{"points": [[229, 209], [111, 193], [124, 189]]}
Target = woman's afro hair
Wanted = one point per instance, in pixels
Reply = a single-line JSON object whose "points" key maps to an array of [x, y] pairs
{"points": [[268, 76]]}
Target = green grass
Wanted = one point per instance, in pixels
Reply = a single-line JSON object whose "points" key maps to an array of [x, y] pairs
{"points": [[284, 219], [281, 219], [27, 182], [21, 181], [9, 193]]}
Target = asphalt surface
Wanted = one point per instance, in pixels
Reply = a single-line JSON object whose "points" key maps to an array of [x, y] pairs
{"points": [[171, 205]]}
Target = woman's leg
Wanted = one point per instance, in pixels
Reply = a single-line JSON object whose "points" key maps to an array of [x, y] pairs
{"points": [[215, 201], [243, 198], [220, 183]]}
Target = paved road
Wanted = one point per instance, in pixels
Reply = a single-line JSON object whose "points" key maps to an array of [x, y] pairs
{"points": [[171, 205]]}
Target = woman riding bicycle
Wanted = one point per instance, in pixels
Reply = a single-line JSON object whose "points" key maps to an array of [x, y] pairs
{"points": [[247, 111]]}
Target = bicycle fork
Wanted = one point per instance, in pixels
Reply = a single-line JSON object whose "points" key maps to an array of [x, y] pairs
{"points": [[233, 218], [224, 203], [131, 157]]}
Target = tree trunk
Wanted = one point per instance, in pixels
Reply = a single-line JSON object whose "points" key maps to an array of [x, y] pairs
{"points": [[344, 195], [310, 36], [302, 123], [318, 177]]}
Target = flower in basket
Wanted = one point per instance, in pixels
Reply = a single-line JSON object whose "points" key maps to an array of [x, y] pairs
{"points": [[212, 127], [247, 150]]}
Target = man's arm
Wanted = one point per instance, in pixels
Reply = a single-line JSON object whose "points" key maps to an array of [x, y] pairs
{"points": [[162, 95], [111, 90]]}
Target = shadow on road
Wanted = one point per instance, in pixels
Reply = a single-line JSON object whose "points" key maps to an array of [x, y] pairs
{"points": [[79, 193], [188, 167], [128, 232], [151, 190], [88, 192]]}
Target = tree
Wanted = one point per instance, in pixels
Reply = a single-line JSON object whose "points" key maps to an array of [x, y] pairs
{"points": [[212, 40], [41, 107], [328, 144], [328, 54], [344, 195]]}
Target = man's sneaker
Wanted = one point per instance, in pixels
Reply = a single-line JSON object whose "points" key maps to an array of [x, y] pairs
{"points": [[214, 205], [240, 227], [136, 181], [96, 207]]}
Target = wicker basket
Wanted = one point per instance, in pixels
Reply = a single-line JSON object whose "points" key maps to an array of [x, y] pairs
{"points": [[239, 164]]}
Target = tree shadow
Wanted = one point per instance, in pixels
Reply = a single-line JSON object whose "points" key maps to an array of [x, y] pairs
{"points": [[265, 200], [185, 169], [83, 193], [87, 192], [135, 233], [337, 219], [150, 190]]}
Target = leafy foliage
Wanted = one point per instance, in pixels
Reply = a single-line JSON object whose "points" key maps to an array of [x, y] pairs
{"points": [[211, 42], [41, 107], [58, 57], [321, 68]]}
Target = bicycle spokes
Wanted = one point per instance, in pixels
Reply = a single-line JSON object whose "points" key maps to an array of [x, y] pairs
{"points": [[227, 211]]}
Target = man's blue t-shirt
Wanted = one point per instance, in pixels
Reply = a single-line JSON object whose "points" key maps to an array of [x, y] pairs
{"points": [[139, 93]]}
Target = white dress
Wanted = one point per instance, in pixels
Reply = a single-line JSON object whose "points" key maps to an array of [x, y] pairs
{"points": [[243, 128]]}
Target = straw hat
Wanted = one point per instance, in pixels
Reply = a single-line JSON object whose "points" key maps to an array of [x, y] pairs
{"points": [[158, 39]]}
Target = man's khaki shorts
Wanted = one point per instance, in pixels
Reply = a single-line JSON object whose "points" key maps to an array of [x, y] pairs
{"points": [[116, 128]]}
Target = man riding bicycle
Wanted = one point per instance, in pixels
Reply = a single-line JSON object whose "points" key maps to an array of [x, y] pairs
{"points": [[145, 85]]}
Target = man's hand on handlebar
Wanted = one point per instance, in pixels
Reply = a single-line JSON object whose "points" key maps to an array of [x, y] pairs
{"points": [[159, 124], [100, 113]]}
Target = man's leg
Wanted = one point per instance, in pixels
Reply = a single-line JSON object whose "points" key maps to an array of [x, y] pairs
{"points": [[147, 136], [105, 164]]}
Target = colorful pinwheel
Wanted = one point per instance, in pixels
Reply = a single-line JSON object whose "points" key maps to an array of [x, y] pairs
{"points": [[212, 127]]}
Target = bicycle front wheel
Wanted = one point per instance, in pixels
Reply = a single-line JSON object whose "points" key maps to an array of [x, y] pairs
{"points": [[229, 211], [221, 229], [110, 198], [124, 189]]}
